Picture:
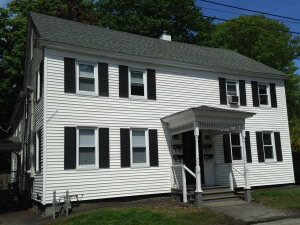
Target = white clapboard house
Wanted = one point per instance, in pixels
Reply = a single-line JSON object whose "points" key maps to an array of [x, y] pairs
{"points": [[108, 114]]}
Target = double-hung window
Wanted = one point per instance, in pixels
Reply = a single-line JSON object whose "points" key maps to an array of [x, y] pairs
{"points": [[236, 147], [263, 94], [37, 152], [87, 147], [139, 148], [269, 148], [231, 88], [38, 85], [137, 83], [87, 80]]}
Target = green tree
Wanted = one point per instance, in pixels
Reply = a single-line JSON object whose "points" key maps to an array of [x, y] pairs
{"points": [[180, 18], [267, 41], [13, 34]]}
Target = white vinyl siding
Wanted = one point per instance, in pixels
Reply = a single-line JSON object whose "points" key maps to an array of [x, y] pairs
{"points": [[176, 90]]}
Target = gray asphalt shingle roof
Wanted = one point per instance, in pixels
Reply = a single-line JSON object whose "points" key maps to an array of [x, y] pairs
{"points": [[78, 34]]}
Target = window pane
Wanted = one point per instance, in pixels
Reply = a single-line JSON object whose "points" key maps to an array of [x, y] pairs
{"points": [[262, 89], [263, 99], [137, 90], [138, 138], [87, 138], [267, 139], [139, 155], [137, 77], [86, 71], [235, 139], [268, 152], [236, 153], [231, 88], [86, 84], [87, 156]]}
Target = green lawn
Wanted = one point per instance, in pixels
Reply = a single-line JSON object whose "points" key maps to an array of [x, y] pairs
{"points": [[161, 215], [282, 198]]}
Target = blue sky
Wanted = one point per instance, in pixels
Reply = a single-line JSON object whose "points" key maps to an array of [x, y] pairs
{"points": [[289, 8]]}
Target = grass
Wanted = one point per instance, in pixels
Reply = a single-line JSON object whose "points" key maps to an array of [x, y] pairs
{"points": [[282, 198], [161, 215]]}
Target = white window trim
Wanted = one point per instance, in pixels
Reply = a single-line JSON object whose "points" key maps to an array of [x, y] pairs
{"points": [[145, 84], [38, 85], [140, 165], [237, 90], [37, 152], [94, 93], [268, 93], [242, 152], [88, 167], [274, 159]]}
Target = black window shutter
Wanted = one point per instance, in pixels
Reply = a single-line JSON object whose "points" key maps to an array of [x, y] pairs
{"points": [[278, 146], [227, 148], [151, 82], [41, 77], [103, 79], [125, 147], [223, 92], [243, 97], [70, 75], [103, 147], [260, 147], [70, 148], [153, 147], [273, 95], [248, 147], [123, 81], [40, 150], [254, 86]]}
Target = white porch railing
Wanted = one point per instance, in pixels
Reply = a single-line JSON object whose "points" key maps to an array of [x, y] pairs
{"points": [[180, 170]]}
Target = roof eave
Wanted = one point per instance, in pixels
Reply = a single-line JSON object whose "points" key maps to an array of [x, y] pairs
{"points": [[154, 61]]}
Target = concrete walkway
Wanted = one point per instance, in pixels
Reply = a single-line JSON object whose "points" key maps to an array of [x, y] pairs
{"points": [[254, 213]]}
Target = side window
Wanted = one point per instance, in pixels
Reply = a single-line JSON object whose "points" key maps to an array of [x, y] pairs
{"points": [[38, 152], [236, 147], [87, 147], [232, 92], [38, 85], [87, 80], [263, 94], [139, 148], [268, 145], [137, 84]]}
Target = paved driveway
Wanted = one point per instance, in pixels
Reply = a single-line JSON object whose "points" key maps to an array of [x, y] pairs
{"points": [[254, 213], [23, 217]]}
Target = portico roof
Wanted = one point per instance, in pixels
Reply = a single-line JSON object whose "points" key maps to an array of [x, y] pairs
{"points": [[207, 117]]}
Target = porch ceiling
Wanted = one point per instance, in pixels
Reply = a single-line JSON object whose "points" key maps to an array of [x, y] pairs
{"points": [[206, 117]]}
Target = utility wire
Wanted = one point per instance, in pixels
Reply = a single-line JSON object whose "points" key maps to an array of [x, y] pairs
{"points": [[240, 14], [269, 28], [251, 10]]}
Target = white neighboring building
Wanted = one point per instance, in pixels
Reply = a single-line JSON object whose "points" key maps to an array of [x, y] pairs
{"points": [[111, 114]]}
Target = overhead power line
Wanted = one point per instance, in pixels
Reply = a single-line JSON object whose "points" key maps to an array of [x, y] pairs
{"points": [[251, 10], [235, 13], [249, 24]]}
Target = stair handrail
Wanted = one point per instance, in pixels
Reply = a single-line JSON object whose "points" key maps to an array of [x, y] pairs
{"points": [[184, 186]]}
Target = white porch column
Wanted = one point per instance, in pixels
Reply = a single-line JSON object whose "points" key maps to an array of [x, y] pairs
{"points": [[247, 187], [198, 191]]}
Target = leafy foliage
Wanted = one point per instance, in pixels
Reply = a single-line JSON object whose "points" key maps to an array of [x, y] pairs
{"points": [[263, 39], [180, 18]]}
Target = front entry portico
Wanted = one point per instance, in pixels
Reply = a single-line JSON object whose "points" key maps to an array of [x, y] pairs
{"points": [[215, 121]]}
